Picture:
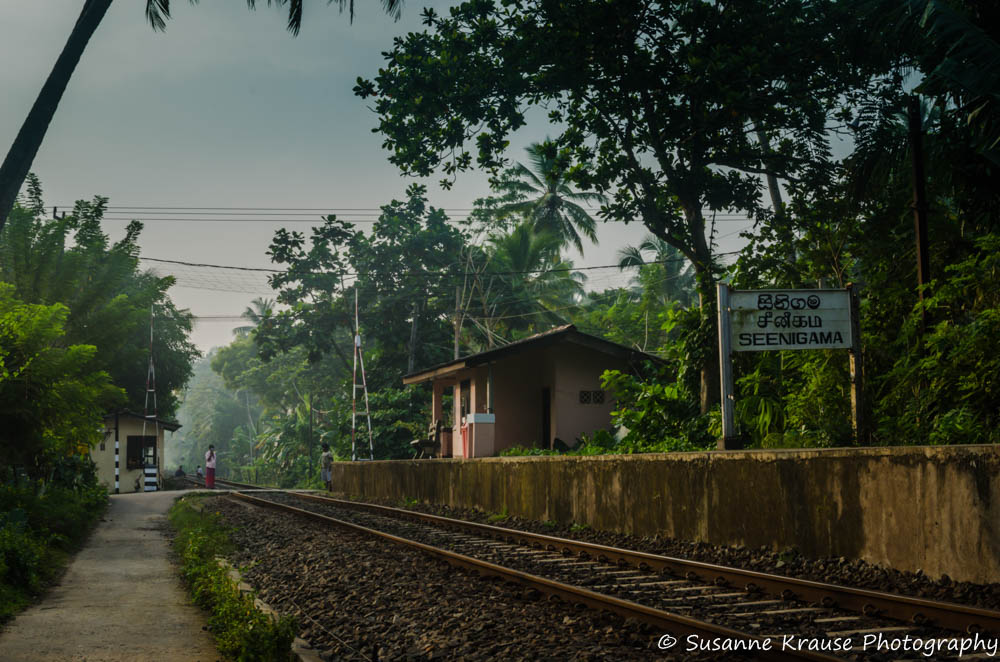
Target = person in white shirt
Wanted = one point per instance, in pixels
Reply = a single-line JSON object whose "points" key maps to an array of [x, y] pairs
{"points": [[210, 467]]}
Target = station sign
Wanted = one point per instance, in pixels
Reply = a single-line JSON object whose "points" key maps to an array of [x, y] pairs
{"points": [[761, 320], [789, 319]]}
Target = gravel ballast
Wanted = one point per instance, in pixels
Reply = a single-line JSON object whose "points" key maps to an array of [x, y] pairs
{"points": [[357, 598]]}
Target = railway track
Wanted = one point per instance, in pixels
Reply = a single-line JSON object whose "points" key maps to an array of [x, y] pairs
{"points": [[772, 616]]}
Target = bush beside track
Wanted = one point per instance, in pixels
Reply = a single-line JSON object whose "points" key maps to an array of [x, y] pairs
{"points": [[241, 630]]}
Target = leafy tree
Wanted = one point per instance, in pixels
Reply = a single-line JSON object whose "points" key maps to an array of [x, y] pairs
{"points": [[71, 261], [945, 388], [52, 394], [29, 138], [404, 273], [657, 99]]}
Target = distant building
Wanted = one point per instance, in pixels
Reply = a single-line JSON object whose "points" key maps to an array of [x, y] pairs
{"points": [[528, 393], [128, 461]]}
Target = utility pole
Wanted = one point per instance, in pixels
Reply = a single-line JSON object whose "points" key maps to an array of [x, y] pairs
{"points": [[919, 197], [310, 434], [458, 320]]}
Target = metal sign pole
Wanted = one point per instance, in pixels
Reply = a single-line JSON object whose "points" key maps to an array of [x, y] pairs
{"points": [[729, 438], [858, 415]]}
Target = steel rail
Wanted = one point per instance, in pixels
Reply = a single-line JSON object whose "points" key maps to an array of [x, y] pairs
{"points": [[223, 481], [918, 611], [762, 648]]}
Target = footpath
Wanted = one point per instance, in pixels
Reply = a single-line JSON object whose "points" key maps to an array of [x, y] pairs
{"points": [[120, 600]]}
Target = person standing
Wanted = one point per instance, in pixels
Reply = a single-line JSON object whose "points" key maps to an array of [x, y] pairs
{"points": [[210, 467], [199, 473], [326, 462]]}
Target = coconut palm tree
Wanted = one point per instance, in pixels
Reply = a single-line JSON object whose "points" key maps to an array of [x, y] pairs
{"points": [[675, 274], [537, 286], [22, 152], [255, 313], [546, 199]]}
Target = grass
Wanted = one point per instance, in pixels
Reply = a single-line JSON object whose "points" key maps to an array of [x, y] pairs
{"points": [[242, 632], [498, 517]]}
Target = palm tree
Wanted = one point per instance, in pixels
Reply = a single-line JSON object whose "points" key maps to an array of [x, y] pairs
{"points": [[537, 287], [546, 199], [255, 313], [22, 152], [675, 273]]}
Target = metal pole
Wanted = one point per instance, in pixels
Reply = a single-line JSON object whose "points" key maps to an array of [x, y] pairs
{"points": [[458, 323], [859, 419], [729, 439], [354, 383]]}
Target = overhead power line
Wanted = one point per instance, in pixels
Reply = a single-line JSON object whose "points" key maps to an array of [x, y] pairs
{"points": [[420, 273]]}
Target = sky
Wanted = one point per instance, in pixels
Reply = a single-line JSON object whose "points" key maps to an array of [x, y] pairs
{"points": [[226, 109]]}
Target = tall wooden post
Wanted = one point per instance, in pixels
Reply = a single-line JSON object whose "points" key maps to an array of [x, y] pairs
{"points": [[919, 196], [729, 438], [859, 418]]}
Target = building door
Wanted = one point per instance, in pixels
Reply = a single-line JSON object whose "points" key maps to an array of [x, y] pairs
{"points": [[546, 417]]}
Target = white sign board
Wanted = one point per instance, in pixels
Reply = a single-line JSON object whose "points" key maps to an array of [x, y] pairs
{"points": [[789, 319]]}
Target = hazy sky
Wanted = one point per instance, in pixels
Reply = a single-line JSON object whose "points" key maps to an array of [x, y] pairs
{"points": [[224, 109]]}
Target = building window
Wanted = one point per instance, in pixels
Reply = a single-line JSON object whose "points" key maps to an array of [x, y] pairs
{"points": [[584, 397], [102, 445], [140, 450], [591, 397]]}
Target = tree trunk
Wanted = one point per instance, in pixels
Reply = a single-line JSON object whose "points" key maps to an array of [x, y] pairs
{"points": [[704, 270], [700, 255], [22, 152], [710, 379], [785, 232]]}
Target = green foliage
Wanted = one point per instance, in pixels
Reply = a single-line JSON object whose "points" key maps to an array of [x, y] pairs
{"points": [[499, 517], [107, 299], [52, 394], [545, 200], [242, 632], [519, 451], [36, 533], [658, 416], [946, 389]]}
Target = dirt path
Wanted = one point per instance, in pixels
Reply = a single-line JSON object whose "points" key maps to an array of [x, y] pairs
{"points": [[120, 600]]}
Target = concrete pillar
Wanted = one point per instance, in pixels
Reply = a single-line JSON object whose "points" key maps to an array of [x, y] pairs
{"points": [[437, 411]]}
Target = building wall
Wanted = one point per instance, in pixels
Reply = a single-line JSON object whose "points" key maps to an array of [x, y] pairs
{"points": [[936, 508], [517, 401], [105, 459], [518, 381], [578, 369]]}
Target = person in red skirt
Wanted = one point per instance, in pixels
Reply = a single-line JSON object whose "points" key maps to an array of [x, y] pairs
{"points": [[210, 467]]}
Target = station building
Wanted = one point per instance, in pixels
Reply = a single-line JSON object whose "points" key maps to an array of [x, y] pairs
{"points": [[129, 458], [528, 393]]}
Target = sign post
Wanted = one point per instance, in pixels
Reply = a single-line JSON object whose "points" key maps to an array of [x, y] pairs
{"points": [[729, 438], [762, 320]]}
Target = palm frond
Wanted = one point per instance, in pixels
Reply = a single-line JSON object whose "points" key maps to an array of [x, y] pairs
{"points": [[157, 14]]}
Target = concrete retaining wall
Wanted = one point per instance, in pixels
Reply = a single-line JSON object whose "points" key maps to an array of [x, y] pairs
{"points": [[930, 508]]}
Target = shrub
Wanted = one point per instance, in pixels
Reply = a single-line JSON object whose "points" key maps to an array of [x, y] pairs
{"points": [[242, 631]]}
